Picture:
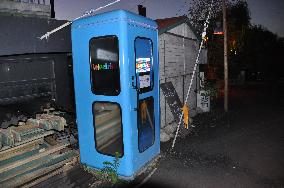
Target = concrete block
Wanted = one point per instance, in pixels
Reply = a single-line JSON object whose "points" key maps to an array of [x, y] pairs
{"points": [[171, 128], [164, 137]]}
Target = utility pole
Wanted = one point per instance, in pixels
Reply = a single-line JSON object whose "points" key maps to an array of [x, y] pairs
{"points": [[225, 57], [52, 12]]}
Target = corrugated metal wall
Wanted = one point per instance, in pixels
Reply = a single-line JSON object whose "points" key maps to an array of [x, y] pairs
{"points": [[30, 76], [26, 78], [39, 67]]}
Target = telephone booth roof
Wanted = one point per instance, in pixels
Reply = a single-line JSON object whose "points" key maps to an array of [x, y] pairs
{"points": [[113, 17]]}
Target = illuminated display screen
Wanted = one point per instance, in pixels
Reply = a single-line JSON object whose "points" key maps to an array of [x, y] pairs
{"points": [[143, 65]]}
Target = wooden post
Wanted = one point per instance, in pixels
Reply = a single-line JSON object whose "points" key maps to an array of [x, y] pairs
{"points": [[225, 57]]}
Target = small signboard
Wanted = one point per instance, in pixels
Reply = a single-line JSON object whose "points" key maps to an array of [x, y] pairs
{"points": [[143, 65], [174, 103], [144, 81], [203, 100], [172, 99]]}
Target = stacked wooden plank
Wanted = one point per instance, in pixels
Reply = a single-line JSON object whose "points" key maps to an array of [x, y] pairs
{"points": [[26, 156], [48, 122], [15, 136]]}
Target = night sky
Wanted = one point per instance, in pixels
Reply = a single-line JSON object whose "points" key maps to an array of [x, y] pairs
{"points": [[268, 13]]}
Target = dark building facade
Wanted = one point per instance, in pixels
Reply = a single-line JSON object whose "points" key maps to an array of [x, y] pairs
{"points": [[34, 72]]}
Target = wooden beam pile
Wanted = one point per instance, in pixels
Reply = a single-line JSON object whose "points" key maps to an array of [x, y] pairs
{"points": [[26, 157], [48, 122]]}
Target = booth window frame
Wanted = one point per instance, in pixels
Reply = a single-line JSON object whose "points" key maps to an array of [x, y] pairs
{"points": [[113, 93], [148, 89], [95, 134], [154, 127]]}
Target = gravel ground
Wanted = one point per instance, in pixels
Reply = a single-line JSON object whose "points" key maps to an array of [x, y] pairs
{"points": [[244, 148]]}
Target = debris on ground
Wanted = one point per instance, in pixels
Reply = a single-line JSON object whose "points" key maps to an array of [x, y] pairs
{"points": [[12, 120]]}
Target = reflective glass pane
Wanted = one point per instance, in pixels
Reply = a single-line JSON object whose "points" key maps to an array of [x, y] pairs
{"points": [[143, 63], [104, 62], [146, 124], [108, 128]]}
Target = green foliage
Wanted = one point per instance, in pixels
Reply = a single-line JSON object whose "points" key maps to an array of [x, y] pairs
{"points": [[238, 23], [210, 89], [90, 170], [237, 13], [262, 51], [198, 11], [109, 171], [251, 48], [108, 174]]}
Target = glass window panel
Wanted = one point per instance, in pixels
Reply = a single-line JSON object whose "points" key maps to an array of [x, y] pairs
{"points": [[104, 62], [108, 128], [144, 63], [146, 124]]}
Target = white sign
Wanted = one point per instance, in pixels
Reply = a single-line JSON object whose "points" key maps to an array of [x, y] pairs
{"points": [[203, 101], [144, 81]]}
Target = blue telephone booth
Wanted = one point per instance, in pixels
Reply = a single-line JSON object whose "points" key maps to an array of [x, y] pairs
{"points": [[116, 76]]}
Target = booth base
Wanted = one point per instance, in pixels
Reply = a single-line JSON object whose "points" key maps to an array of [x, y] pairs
{"points": [[147, 167]]}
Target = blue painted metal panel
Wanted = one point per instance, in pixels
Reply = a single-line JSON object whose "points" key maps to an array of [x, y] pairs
{"points": [[127, 27]]}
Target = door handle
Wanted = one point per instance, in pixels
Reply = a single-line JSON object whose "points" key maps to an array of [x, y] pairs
{"points": [[133, 84]]}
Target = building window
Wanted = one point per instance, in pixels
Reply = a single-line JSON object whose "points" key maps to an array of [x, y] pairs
{"points": [[144, 64], [108, 128], [104, 65], [146, 124]]}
